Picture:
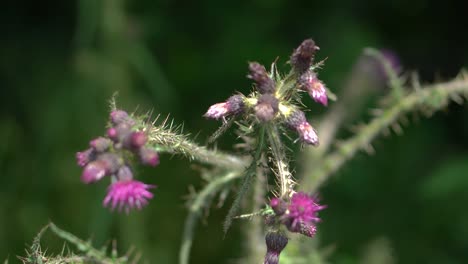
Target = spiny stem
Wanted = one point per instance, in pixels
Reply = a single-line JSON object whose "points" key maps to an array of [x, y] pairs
{"points": [[248, 177], [430, 99], [201, 201], [165, 139], [284, 176]]}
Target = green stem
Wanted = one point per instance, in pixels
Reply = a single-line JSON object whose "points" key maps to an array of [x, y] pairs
{"points": [[201, 201], [283, 174]]}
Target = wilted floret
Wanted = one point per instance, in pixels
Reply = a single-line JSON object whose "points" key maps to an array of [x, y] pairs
{"points": [[303, 56], [260, 76]]}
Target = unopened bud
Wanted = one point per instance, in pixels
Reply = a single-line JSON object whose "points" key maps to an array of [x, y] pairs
{"points": [[233, 106], [149, 157], [302, 57], [298, 122], [100, 144], [138, 139], [278, 206], [93, 171], [275, 242], [260, 76], [124, 173], [118, 116], [267, 107], [84, 157], [112, 134]]}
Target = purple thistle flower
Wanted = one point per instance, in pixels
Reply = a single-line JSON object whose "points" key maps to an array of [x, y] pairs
{"points": [[128, 194], [312, 85], [303, 209], [85, 157]]}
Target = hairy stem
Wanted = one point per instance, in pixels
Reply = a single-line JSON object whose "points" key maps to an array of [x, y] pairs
{"points": [[284, 176], [202, 200], [427, 99], [165, 138]]}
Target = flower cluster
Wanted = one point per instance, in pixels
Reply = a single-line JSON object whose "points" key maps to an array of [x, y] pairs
{"points": [[299, 215], [109, 156], [275, 99]]}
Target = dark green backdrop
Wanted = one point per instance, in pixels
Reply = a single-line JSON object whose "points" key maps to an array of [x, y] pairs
{"points": [[60, 62]]}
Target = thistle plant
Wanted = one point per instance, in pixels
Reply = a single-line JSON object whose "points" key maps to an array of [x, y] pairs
{"points": [[270, 122]]}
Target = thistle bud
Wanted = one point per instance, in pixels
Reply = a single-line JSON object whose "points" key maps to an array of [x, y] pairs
{"points": [[302, 57], [124, 173], [100, 144], [112, 134], [149, 157], [266, 108], [84, 157], [275, 243], [314, 87], [93, 172], [118, 117], [298, 122], [278, 206], [233, 106], [260, 76], [138, 139]]}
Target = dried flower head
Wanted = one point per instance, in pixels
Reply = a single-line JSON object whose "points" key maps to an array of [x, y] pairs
{"points": [[303, 56], [261, 78]]}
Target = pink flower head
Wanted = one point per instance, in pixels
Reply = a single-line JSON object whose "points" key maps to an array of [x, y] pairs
{"points": [[312, 85], [233, 106], [307, 133], [303, 210], [217, 111], [128, 194]]}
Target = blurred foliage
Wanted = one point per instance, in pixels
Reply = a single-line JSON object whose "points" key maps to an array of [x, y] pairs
{"points": [[60, 62]]}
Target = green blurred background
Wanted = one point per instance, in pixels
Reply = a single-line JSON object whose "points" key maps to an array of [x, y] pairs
{"points": [[61, 61]]}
